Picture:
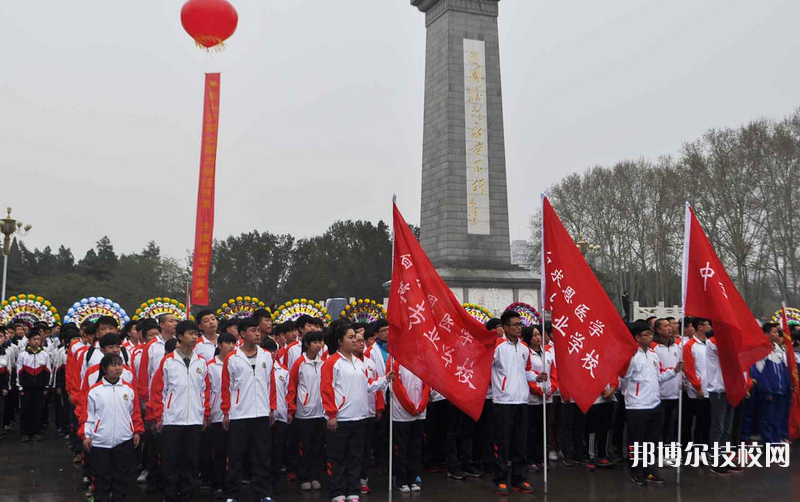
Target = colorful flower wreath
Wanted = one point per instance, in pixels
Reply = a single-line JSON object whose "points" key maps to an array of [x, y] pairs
{"points": [[365, 310], [155, 307], [792, 314], [29, 309], [90, 309], [479, 312], [293, 309], [241, 307], [528, 314]]}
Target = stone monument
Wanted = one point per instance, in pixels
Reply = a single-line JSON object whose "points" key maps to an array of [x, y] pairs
{"points": [[464, 218]]}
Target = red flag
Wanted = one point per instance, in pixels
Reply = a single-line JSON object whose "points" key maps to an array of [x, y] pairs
{"points": [[794, 404], [710, 293], [204, 224], [430, 333], [591, 340]]}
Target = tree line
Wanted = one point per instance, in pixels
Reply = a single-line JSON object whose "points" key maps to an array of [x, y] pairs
{"points": [[744, 185], [349, 259]]}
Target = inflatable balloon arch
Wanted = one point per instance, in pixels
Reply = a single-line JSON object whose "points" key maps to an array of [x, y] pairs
{"points": [[28, 309], [241, 307], [528, 315], [92, 308], [792, 315]]}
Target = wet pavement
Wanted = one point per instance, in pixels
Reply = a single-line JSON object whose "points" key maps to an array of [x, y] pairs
{"points": [[43, 472]]}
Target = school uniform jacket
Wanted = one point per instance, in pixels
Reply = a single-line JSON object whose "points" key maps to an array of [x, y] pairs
{"points": [[303, 398], [771, 374], [694, 360], [375, 400], [205, 348], [33, 369], [281, 377], [5, 371], [92, 377], [111, 415], [643, 377], [511, 372], [180, 395], [73, 370], [668, 358], [409, 395], [714, 380], [214, 375], [345, 388], [375, 354], [247, 391], [537, 366]]}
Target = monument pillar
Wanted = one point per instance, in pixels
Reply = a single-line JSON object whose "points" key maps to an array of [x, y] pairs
{"points": [[464, 216]]}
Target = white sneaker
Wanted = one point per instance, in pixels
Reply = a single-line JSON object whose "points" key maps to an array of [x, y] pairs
{"points": [[305, 486], [552, 455], [405, 489], [142, 477], [415, 487], [353, 498], [316, 485]]}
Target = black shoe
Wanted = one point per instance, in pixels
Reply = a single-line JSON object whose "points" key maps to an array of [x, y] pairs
{"points": [[457, 474], [472, 471], [720, 471], [638, 479], [569, 463], [652, 478]]}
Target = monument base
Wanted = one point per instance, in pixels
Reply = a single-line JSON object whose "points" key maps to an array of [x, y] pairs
{"points": [[495, 289]]}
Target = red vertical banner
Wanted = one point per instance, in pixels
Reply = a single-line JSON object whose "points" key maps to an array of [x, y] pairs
{"points": [[204, 226]]}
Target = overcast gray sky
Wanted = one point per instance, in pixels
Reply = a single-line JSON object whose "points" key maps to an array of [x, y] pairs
{"points": [[321, 113]]}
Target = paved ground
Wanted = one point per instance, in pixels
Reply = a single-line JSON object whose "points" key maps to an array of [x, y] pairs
{"points": [[43, 472]]}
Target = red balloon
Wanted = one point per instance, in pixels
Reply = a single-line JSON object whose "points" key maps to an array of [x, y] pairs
{"points": [[209, 22]]}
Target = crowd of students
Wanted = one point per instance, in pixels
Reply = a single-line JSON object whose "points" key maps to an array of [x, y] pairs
{"points": [[182, 406]]}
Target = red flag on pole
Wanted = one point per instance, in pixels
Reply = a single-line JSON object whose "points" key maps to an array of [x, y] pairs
{"points": [[430, 333], [794, 404], [591, 340], [709, 293], [204, 225]]}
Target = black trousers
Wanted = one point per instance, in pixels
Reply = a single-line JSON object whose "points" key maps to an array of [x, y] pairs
{"points": [[435, 435], [205, 463], [279, 430], [700, 411], [292, 445], [573, 428], [617, 442], [219, 455], [408, 450], [644, 426], [738, 417], [113, 472], [554, 421], [180, 452], [511, 439], [250, 438], [460, 431], [152, 458], [669, 433], [483, 445], [311, 435], [599, 422], [345, 450], [31, 412], [367, 461], [380, 437], [535, 433]]}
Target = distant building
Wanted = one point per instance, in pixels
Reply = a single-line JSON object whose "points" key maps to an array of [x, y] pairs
{"points": [[520, 253]]}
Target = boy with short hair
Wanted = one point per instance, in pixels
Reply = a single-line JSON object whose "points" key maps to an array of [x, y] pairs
{"points": [[33, 379]]}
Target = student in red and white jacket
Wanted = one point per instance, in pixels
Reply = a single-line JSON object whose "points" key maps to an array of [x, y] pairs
{"points": [[33, 379], [179, 409], [642, 397], [696, 385], [376, 408], [226, 343], [669, 349], [345, 389], [305, 410], [543, 363], [280, 426], [511, 372], [111, 427], [409, 400], [248, 404], [108, 345]]}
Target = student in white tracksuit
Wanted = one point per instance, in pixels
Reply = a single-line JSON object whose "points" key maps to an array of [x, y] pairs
{"points": [[226, 343], [409, 400]]}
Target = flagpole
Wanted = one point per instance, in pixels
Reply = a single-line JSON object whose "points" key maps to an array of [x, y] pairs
{"points": [[391, 366], [542, 283], [686, 229]]}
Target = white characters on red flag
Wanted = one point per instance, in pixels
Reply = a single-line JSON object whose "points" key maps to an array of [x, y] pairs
{"points": [[710, 294], [592, 342], [430, 333]]}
